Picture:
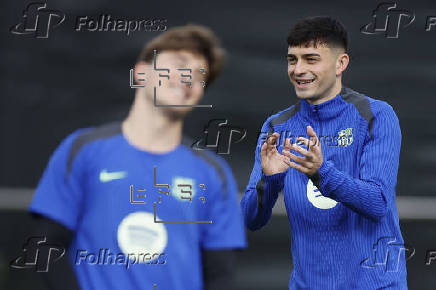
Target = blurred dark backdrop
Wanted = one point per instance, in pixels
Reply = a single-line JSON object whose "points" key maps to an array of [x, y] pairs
{"points": [[50, 87], [77, 79]]}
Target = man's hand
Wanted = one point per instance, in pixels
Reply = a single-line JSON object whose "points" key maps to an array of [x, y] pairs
{"points": [[312, 160], [272, 161]]}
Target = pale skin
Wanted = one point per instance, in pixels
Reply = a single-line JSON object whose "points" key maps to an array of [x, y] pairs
{"points": [[273, 162], [145, 123], [322, 66]]}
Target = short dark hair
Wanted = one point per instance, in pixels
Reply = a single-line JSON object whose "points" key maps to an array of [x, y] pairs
{"points": [[318, 30], [196, 39]]}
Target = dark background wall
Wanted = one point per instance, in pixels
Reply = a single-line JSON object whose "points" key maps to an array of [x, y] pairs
{"points": [[49, 87], [74, 79]]}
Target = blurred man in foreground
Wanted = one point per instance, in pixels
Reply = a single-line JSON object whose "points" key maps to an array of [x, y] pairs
{"points": [[134, 206], [339, 188]]}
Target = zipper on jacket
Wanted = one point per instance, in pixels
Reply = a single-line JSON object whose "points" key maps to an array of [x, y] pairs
{"points": [[319, 121]]}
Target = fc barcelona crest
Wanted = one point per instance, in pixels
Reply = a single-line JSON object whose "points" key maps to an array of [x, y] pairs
{"points": [[345, 137]]}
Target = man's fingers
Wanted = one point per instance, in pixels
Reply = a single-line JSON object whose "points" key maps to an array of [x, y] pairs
{"points": [[263, 148], [267, 150], [299, 167], [309, 143], [311, 132], [269, 146], [294, 157], [272, 139], [301, 150], [303, 141], [313, 137], [286, 160], [303, 161], [287, 145]]}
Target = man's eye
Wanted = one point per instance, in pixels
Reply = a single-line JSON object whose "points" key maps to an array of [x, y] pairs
{"points": [[291, 61], [311, 60]]}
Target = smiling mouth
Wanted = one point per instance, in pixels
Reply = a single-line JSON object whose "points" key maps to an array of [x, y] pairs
{"points": [[303, 82]]}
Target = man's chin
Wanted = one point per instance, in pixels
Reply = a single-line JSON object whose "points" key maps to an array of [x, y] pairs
{"points": [[305, 94], [176, 113], [172, 106]]}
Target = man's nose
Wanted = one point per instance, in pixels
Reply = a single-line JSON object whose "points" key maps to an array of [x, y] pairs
{"points": [[300, 68]]}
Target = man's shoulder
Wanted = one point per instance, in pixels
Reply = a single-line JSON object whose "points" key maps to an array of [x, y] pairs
{"points": [[379, 106], [363, 102], [87, 135], [210, 161], [281, 117], [75, 142], [369, 108]]}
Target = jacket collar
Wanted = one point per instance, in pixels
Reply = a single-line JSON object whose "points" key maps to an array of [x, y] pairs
{"points": [[324, 111]]}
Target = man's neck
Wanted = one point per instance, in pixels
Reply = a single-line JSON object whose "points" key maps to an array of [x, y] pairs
{"points": [[149, 129], [331, 94]]}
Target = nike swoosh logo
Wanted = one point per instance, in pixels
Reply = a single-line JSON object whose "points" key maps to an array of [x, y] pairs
{"points": [[109, 176]]}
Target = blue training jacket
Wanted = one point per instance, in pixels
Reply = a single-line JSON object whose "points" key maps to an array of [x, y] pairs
{"points": [[139, 218], [345, 231]]}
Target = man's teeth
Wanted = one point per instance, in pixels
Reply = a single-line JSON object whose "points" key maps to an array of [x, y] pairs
{"points": [[304, 81]]}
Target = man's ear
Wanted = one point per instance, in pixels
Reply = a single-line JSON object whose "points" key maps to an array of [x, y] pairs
{"points": [[140, 72], [342, 62]]}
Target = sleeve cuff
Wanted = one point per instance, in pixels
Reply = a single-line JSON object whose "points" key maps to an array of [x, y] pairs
{"points": [[268, 188], [324, 169], [275, 180], [329, 179]]}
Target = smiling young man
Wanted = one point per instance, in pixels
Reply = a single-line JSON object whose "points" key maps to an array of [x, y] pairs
{"points": [[339, 185], [134, 206]]}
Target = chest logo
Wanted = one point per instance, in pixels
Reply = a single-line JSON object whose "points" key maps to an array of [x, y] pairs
{"points": [[317, 199], [183, 188], [139, 235], [345, 137], [106, 176]]}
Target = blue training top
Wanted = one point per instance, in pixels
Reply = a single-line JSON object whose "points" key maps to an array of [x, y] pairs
{"points": [[345, 233], [128, 209]]}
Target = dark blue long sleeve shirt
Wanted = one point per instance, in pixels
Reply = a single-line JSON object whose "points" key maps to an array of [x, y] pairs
{"points": [[345, 231]]}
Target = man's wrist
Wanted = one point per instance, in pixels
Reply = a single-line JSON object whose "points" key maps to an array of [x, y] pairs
{"points": [[274, 176], [316, 178], [272, 184], [275, 180]]}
